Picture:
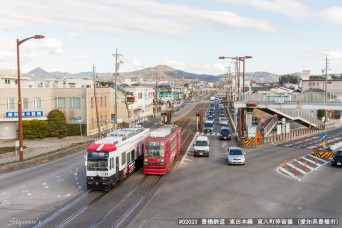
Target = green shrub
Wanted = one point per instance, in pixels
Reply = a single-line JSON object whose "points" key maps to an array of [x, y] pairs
{"points": [[57, 124]]}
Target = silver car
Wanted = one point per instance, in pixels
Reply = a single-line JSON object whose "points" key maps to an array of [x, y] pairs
{"points": [[235, 155], [223, 121]]}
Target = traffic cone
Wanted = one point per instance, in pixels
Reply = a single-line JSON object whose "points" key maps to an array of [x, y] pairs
{"points": [[285, 164], [305, 166], [316, 161]]}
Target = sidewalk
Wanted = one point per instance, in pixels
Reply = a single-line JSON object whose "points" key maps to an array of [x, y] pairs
{"points": [[35, 147]]}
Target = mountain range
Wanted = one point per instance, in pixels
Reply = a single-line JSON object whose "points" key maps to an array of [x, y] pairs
{"points": [[164, 73]]}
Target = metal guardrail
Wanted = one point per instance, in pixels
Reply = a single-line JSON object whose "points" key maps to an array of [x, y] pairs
{"points": [[301, 97]]}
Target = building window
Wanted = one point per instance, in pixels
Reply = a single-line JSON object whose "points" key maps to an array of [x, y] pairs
{"points": [[92, 123], [25, 103], [139, 95], [60, 102], [37, 102], [7, 81], [71, 120], [75, 103], [92, 102], [105, 101], [100, 101], [101, 121], [10, 103]]}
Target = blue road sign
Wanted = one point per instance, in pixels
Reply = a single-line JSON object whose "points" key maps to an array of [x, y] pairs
{"points": [[324, 136], [79, 118]]}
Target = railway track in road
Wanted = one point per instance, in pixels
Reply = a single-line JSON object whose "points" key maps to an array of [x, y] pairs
{"points": [[78, 204], [113, 209], [125, 208]]}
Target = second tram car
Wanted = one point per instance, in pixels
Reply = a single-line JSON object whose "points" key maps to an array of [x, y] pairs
{"points": [[161, 148], [111, 159]]}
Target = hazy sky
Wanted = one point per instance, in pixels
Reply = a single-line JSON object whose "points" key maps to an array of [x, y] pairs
{"points": [[283, 36]]}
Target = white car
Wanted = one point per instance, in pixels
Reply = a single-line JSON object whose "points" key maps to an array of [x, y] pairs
{"points": [[235, 156], [223, 121]]}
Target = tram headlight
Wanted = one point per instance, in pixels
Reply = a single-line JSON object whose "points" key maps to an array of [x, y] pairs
{"points": [[161, 160], [146, 160]]}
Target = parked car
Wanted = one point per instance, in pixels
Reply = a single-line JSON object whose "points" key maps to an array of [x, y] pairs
{"points": [[235, 155], [223, 121], [208, 126], [337, 159], [201, 146], [210, 113], [225, 133]]}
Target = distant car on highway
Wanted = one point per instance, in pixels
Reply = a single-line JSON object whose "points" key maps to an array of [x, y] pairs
{"points": [[225, 133], [235, 155], [208, 126], [337, 159], [223, 121], [210, 118]]}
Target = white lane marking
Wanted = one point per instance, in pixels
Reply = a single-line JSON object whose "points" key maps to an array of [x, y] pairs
{"points": [[318, 158], [298, 169], [23, 186], [307, 166], [3, 193], [67, 195], [285, 171], [187, 159], [313, 162], [46, 186], [44, 183]]}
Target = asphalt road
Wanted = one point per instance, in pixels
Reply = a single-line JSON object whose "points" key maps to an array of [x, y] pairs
{"points": [[198, 187], [202, 187], [27, 195]]}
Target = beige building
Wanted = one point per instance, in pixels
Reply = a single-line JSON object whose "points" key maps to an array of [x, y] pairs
{"points": [[333, 85], [74, 97]]}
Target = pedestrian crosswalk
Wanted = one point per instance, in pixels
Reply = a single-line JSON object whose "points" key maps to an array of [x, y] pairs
{"points": [[312, 142]]}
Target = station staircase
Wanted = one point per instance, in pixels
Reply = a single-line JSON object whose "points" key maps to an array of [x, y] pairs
{"points": [[298, 116]]}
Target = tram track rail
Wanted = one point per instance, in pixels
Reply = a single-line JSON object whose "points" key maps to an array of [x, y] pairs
{"points": [[71, 214]]}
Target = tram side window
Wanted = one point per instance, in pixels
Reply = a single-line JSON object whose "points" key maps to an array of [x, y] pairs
{"points": [[128, 157], [133, 154], [111, 163], [173, 144], [123, 158]]}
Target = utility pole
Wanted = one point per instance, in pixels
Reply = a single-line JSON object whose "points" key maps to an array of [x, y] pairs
{"points": [[156, 92], [96, 108], [326, 86], [117, 65]]}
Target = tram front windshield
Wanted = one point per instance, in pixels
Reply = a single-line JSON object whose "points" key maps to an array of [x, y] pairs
{"points": [[97, 161], [154, 150]]}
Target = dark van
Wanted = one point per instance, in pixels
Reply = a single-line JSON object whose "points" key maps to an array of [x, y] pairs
{"points": [[225, 133]]}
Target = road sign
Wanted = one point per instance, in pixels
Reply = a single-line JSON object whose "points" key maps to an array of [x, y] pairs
{"points": [[275, 115], [324, 144], [283, 120], [287, 128], [172, 84], [79, 119], [263, 124], [324, 136]]}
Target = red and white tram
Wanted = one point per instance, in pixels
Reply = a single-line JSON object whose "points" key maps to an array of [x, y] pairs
{"points": [[161, 148], [111, 159]]}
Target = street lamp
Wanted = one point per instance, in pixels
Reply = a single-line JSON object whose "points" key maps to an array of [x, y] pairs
{"points": [[20, 109], [243, 71]]}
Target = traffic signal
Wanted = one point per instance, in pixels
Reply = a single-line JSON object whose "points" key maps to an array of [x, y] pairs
{"points": [[130, 99]]}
